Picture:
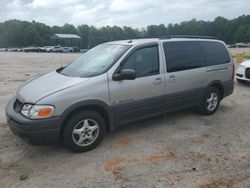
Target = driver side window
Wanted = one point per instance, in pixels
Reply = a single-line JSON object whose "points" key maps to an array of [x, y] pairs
{"points": [[145, 62]]}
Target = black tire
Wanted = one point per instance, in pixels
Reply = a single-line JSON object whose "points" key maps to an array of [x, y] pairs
{"points": [[241, 81], [203, 107], [70, 125]]}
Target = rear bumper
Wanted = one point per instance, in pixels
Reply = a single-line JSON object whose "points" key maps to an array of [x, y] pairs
{"points": [[42, 131]]}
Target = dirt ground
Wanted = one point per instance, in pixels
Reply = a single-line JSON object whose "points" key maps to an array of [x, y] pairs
{"points": [[185, 150]]}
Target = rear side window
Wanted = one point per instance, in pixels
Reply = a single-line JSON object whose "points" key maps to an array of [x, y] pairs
{"points": [[215, 53], [144, 61], [183, 55]]}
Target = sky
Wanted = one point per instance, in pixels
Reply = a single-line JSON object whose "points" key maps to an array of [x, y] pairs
{"points": [[134, 13]]}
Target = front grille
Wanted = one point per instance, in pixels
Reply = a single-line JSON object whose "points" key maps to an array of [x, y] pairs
{"points": [[239, 75], [247, 73], [18, 106]]}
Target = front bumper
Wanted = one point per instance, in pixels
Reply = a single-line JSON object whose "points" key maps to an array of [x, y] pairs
{"points": [[243, 74], [42, 131]]}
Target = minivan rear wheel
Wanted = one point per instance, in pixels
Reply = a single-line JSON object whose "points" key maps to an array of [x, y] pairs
{"points": [[83, 131], [210, 101]]}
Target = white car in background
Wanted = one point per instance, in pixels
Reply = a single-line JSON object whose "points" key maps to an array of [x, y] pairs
{"points": [[48, 48], [67, 49], [243, 72]]}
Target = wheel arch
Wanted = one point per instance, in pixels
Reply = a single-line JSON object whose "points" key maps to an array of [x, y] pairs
{"points": [[99, 106], [219, 85]]}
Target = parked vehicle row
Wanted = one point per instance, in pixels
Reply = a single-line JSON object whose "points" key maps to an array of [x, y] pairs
{"points": [[239, 45], [56, 49]]}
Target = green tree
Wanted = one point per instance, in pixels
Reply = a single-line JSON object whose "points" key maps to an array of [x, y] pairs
{"points": [[130, 33], [68, 29], [83, 32], [243, 33], [15, 33]]}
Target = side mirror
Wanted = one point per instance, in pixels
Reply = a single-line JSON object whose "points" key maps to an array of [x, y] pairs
{"points": [[60, 69], [125, 74]]}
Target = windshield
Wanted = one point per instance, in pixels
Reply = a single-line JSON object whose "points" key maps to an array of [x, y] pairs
{"points": [[96, 61]]}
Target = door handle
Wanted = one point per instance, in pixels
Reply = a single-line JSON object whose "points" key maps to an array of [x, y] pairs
{"points": [[171, 77], [158, 81]]}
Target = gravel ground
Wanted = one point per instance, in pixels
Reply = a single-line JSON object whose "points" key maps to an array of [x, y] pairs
{"points": [[234, 51], [185, 150]]}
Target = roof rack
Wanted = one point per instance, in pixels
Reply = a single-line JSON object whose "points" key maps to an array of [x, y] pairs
{"points": [[187, 36]]}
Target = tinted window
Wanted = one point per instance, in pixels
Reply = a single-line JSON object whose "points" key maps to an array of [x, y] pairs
{"points": [[183, 55], [145, 62], [215, 53]]}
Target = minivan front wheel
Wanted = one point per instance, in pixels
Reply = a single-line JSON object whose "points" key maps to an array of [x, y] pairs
{"points": [[83, 131], [210, 101]]}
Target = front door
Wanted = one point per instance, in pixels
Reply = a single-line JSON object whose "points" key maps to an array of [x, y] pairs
{"points": [[142, 97]]}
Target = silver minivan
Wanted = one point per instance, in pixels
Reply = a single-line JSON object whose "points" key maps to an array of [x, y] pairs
{"points": [[120, 82]]}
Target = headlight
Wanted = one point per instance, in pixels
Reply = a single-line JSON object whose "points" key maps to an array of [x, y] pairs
{"points": [[242, 66], [37, 111]]}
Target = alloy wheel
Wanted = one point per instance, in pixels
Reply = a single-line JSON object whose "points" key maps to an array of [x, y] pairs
{"points": [[85, 132]]}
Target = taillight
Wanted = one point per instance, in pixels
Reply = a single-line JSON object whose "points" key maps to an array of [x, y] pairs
{"points": [[233, 71]]}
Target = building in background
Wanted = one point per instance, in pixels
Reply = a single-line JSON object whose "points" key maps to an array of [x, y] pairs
{"points": [[66, 40]]}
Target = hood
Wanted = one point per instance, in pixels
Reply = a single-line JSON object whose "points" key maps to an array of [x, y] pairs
{"points": [[246, 63], [45, 85]]}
